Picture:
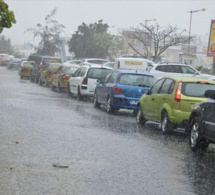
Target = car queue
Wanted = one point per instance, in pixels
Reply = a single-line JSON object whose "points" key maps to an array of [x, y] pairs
{"points": [[173, 100]]}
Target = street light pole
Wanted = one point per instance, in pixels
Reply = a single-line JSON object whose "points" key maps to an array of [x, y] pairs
{"points": [[191, 13], [149, 21]]}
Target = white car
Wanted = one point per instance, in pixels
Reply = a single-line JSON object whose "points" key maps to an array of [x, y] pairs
{"points": [[175, 69], [83, 82], [93, 61], [72, 62]]}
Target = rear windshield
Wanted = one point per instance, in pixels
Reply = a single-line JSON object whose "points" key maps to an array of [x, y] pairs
{"points": [[97, 61], [136, 80], [27, 64], [69, 70], [47, 61], [98, 73], [55, 65], [196, 89]]}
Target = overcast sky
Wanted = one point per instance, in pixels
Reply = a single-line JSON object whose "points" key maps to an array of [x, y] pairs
{"points": [[118, 14]]}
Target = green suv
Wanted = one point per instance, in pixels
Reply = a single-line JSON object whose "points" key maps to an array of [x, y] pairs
{"points": [[171, 100]]}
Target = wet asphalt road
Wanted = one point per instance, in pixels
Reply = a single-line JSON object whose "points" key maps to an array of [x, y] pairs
{"points": [[105, 154]]}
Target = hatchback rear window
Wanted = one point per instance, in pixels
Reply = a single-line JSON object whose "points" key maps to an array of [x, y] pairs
{"points": [[98, 73], [136, 80], [196, 89]]}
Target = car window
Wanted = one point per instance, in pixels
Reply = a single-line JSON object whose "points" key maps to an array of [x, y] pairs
{"points": [[157, 86], [98, 73], [189, 70], [166, 87], [136, 80], [112, 78], [27, 64], [107, 77], [82, 72], [143, 80], [97, 61], [162, 68], [77, 72], [149, 67], [69, 70], [59, 69], [196, 89]]}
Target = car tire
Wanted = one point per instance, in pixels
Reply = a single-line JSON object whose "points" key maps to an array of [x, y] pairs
{"points": [[31, 79], [79, 96], [46, 83], [52, 86], [95, 101], [40, 82], [196, 141], [165, 123], [139, 116], [68, 90], [59, 88], [110, 108]]}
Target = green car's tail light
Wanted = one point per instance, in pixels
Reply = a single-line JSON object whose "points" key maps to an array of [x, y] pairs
{"points": [[117, 90], [178, 92]]}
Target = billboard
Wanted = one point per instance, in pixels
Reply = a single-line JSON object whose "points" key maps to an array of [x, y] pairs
{"points": [[211, 42]]}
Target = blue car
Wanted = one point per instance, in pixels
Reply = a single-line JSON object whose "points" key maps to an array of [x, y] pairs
{"points": [[121, 89]]}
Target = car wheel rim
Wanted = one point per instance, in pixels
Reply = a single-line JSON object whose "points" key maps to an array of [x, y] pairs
{"points": [[164, 123], [194, 134]]}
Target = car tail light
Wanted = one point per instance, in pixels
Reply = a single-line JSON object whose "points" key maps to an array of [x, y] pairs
{"points": [[178, 92], [117, 90], [84, 82], [65, 76]]}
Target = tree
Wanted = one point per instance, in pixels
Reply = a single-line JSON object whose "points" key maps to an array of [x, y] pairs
{"points": [[155, 39], [6, 16], [91, 40], [5, 45], [49, 35]]}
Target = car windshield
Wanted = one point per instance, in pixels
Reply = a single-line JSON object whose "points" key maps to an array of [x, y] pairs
{"points": [[136, 80], [98, 73], [196, 89]]}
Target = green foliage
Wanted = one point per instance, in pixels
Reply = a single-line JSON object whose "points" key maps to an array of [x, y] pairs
{"points": [[199, 68], [49, 34], [91, 40], [6, 16], [5, 45]]}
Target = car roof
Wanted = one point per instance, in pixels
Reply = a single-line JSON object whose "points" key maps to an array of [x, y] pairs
{"points": [[95, 66], [190, 78], [170, 63], [133, 71], [70, 65]]}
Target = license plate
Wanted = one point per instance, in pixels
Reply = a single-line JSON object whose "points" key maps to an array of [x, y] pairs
{"points": [[133, 102]]}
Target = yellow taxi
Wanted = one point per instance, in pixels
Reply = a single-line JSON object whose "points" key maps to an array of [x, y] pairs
{"points": [[61, 76], [46, 74], [24, 69]]}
